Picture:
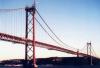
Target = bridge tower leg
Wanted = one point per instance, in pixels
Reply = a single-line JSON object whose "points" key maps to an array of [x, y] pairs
{"points": [[30, 60], [77, 52], [89, 52]]}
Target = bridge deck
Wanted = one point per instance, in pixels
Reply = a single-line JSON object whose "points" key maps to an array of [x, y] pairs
{"points": [[20, 40]]}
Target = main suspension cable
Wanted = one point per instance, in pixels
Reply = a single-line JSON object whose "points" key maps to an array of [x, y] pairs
{"points": [[52, 30], [9, 10], [47, 32]]}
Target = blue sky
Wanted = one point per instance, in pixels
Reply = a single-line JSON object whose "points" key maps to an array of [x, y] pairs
{"points": [[76, 22]]}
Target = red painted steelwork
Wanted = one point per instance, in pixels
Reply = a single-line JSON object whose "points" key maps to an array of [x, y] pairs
{"points": [[15, 39], [33, 42], [20, 40]]}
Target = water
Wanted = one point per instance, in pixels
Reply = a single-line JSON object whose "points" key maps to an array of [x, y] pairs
{"points": [[57, 66], [68, 66]]}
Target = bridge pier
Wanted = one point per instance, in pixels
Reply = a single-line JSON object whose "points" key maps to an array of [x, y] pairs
{"points": [[89, 52]]}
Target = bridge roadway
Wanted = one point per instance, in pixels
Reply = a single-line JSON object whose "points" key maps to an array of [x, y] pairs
{"points": [[20, 40]]}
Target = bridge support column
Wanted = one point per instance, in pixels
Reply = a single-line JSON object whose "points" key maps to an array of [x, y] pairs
{"points": [[89, 52], [30, 60], [77, 52]]}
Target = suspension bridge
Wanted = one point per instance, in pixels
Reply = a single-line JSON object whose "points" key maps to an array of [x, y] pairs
{"points": [[29, 39]]}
